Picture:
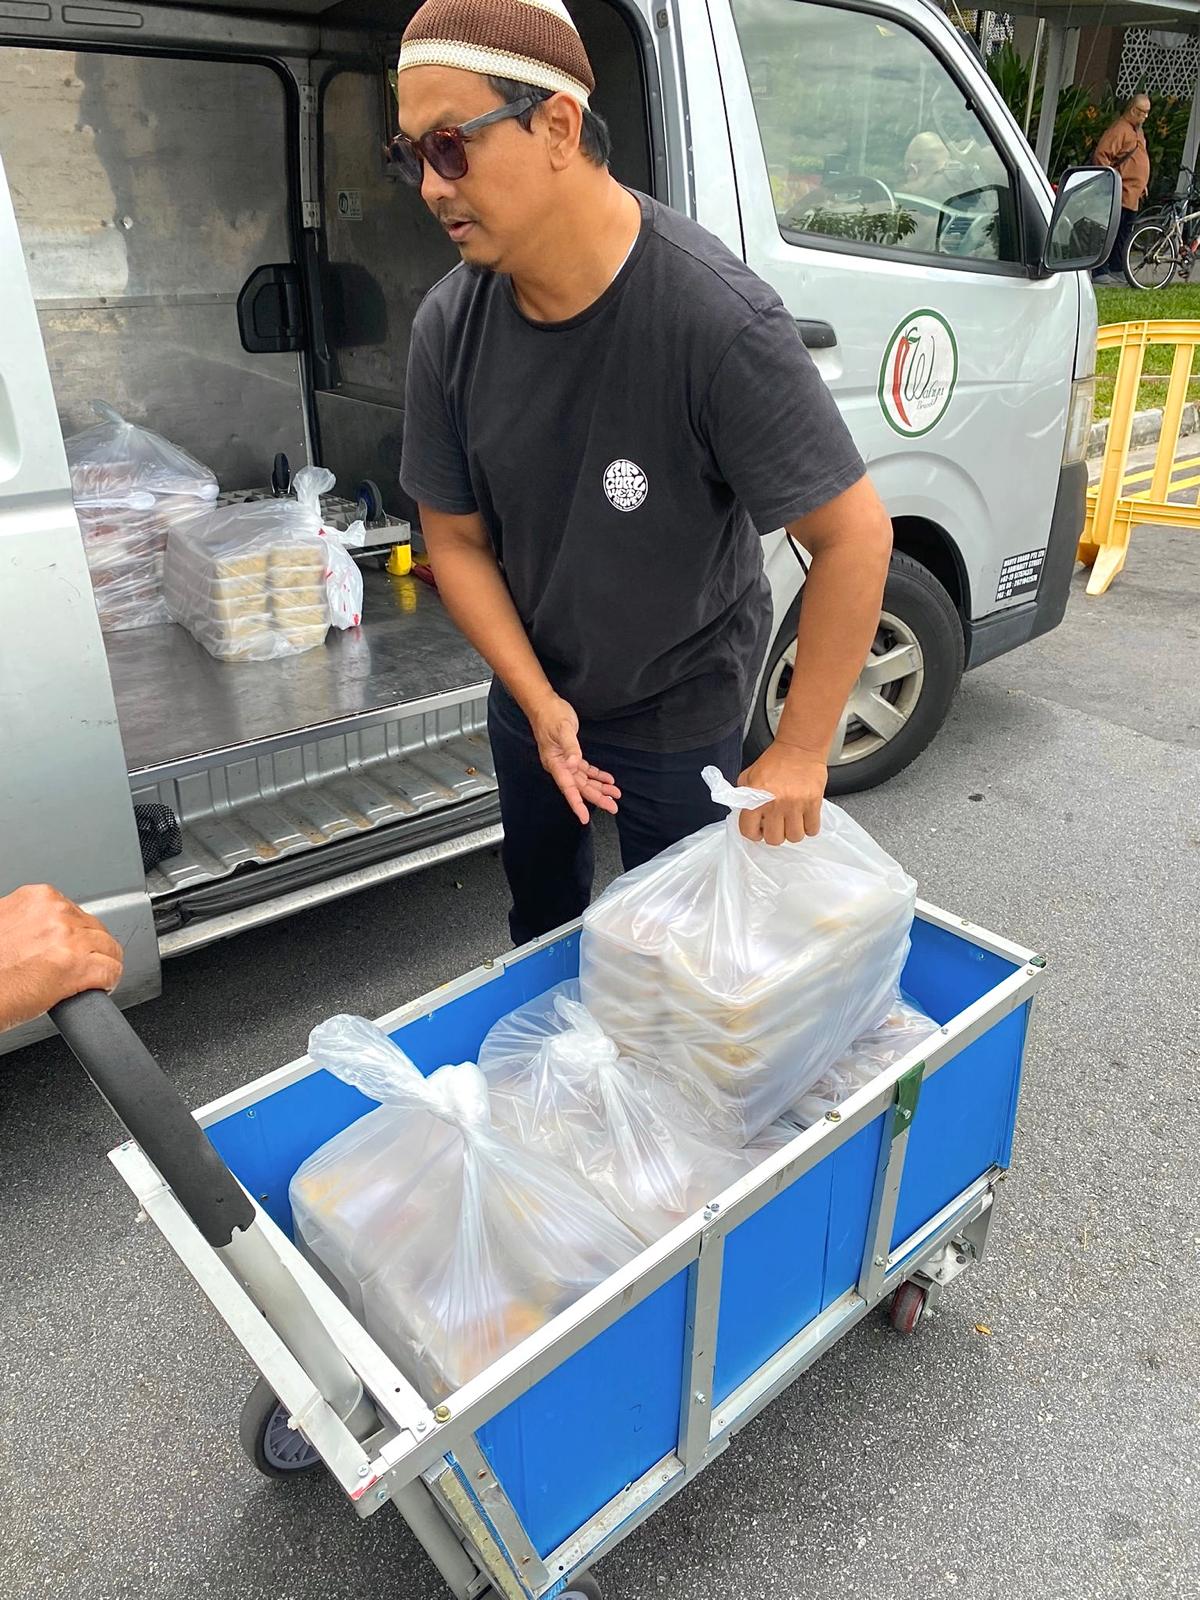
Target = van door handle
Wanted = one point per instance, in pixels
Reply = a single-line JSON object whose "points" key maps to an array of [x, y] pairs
{"points": [[816, 335], [269, 310]]}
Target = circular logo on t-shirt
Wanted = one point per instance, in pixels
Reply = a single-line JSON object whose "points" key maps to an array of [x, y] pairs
{"points": [[918, 373], [625, 485]]}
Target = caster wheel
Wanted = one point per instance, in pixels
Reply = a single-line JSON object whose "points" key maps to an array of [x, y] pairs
{"points": [[908, 1307], [281, 476], [275, 1449], [583, 1587], [369, 507]]}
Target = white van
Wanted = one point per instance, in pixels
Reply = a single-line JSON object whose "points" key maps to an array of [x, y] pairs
{"points": [[198, 227]]}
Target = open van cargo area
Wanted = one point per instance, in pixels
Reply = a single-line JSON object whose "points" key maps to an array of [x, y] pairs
{"points": [[218, 250]]}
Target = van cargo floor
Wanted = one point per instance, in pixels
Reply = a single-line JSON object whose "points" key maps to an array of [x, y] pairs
{"points": [[176, 703]]}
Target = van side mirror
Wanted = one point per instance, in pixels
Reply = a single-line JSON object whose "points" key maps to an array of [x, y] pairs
{"points": [[1084, 223]]}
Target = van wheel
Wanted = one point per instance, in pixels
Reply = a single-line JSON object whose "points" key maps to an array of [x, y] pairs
{"points": [[905, 690]]}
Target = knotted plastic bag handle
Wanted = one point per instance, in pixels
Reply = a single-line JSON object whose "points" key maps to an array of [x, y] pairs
{"points": [[729, 795]]}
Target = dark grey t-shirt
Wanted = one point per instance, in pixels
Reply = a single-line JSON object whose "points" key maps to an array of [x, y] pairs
{"points": [[622, 461]]}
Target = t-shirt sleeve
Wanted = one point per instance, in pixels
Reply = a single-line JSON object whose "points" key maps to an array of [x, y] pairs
{"points": [[433, 464], [775, 432]]}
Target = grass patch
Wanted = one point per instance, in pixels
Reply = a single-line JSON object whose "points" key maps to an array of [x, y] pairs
{"points": [[1136, 305]]}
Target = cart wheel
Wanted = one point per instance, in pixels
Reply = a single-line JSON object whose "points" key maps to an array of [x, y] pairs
{"points": [[281, 476], [369, 507], [275, 1449], [583, 1587], [908, 1307]]}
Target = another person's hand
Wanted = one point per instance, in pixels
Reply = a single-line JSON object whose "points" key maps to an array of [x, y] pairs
{"points": [[49, 950], [797, 779], [556, 729]]}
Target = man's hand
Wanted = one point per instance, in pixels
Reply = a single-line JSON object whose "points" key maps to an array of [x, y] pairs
{"points": [[49, 950], [796, 777], [556, 729]]}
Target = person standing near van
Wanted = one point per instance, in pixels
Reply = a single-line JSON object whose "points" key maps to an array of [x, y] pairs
{"points": [[605, 410], [1123, 147]]}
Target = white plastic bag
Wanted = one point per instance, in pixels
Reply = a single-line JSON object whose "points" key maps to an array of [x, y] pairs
{"points": [[130, 488], [343, 580], [746, 969], [449, 1239], [904, 1028], [558, 1083], [263, 578]]}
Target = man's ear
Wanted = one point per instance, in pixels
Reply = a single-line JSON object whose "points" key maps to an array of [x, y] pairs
{"points": [[563, 122]]}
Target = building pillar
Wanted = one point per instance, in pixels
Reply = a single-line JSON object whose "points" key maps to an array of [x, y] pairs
{"points": [[1056, 49]]}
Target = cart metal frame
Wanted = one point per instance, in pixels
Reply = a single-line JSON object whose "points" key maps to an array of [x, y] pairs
{"points": [[380, 1440]]}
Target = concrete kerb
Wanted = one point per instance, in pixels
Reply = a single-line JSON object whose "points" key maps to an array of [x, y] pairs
{"points": [[1147, 429]]}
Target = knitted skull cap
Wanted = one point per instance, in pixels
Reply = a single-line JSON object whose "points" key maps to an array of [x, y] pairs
{"points": [[531, 41]]}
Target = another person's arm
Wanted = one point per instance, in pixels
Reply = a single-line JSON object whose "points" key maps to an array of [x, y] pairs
{"points": [[50, 949]]}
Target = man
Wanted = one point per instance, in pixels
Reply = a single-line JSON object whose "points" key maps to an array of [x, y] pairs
{"points": [[927, 168], [1123, 147], [603, 405], [927, 174], [49, 950]]}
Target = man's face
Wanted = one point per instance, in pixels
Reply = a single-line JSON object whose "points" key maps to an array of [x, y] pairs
{"points": [[496, 206], [1139, 111]]}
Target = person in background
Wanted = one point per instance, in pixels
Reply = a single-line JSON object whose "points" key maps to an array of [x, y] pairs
{"points": [[50, 950], [1123, 147], [927, 169]]}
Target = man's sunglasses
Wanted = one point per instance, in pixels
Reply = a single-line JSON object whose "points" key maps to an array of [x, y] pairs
{"points": [[445, 149]]}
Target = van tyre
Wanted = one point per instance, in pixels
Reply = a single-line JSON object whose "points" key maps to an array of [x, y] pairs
{"points": [[905, 691]]}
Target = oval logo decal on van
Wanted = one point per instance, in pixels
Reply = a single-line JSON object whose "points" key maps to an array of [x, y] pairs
{"points": [[918, 374]]}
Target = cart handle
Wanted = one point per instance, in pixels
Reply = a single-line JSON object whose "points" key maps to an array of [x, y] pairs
{"points": [[150, 1106]]}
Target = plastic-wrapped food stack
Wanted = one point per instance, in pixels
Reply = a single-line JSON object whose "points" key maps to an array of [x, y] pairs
{"points": [[558, 1083], [131, 487], [746, 969], [449, 1240], [265, 578], [904, 1028]]}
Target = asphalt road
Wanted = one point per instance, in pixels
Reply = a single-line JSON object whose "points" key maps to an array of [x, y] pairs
{"points": [[1057, 1457]]}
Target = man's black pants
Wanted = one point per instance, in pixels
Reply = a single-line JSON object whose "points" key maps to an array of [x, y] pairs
{"points": [[1116, 260], [548, 854]]}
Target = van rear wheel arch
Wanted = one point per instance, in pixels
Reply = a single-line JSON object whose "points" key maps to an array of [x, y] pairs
{"points": [[933, 548]]}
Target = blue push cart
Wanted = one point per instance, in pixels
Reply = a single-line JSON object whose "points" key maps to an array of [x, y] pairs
{"points": [[647, 1378]]}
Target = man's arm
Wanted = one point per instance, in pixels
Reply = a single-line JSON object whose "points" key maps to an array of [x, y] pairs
{"points": [[470, 582], [850, 541], [49, 950]]}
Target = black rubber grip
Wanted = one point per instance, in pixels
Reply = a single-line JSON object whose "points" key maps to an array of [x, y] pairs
{"points": [[150, 1106]]}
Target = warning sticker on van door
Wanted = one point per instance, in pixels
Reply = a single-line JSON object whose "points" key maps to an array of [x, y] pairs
{"points": [[918, 373], [349, 204]]}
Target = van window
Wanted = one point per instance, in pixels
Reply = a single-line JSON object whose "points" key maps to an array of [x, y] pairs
{"points": [[868, 139]]}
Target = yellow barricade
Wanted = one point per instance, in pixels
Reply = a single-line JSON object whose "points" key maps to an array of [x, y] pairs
{"points": [[1112, 513]]}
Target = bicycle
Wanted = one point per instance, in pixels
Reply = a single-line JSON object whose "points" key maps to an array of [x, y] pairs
{"points": [[1165, 242]]}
